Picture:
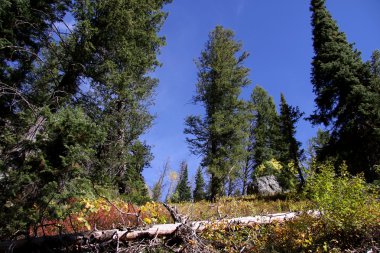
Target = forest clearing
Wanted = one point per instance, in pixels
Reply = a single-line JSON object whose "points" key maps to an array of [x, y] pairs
{"points": [[98, 98]]}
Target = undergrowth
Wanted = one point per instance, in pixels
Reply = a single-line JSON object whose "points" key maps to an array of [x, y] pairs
{"points": [[349, 219]]}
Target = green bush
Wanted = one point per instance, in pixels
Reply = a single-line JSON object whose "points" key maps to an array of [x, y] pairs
{"points": [[346, 202], [285, 174]]}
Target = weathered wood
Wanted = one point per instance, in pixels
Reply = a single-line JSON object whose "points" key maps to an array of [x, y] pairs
{"points": [[155, 231], [161, 230]]}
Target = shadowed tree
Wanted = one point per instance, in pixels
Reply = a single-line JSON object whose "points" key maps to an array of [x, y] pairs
{"points": [[289, 147], [345, 90], [199, 190], [265, 129], [73, 101]]}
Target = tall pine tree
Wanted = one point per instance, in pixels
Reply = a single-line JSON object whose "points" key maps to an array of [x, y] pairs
{"points": [[342, 84], [217, 136], [289, 147], [265, 129], [125, 92]]}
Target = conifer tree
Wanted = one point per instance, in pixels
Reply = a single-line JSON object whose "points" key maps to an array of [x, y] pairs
{"points": [[218, 136], [342, 84], [73, 101], [370, 109], [316, 144], [127, 91], [265, 127], [183, 189], [289, 147], [199, 190]]}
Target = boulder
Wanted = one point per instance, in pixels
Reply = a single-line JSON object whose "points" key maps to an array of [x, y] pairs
{"points": [[267, 186]]}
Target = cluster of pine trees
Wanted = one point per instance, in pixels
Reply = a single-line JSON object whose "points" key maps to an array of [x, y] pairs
{"points": [[183, 190], [74, 101], [235, 137], [240, 140], [179, 188]]}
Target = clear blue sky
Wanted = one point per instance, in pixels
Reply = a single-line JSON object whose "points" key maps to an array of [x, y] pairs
{"points": [[276, 33]]}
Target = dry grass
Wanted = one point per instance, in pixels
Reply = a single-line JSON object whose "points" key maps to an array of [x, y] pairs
{"points": [[229, 207]]}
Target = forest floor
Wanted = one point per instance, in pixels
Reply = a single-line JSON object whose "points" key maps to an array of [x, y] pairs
{"points": [[231, 224]]}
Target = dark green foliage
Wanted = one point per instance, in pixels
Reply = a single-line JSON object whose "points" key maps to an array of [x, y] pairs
{"points": [[122, 90], [199, 190], [56, 171], [336, 67], [290, 148], [316, 144], [346, 96], [183, 190], [24, 32], [265, 127], [74, 101], [218, 136], [369, 108]]}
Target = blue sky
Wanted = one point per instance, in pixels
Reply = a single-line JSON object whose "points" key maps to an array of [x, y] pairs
{"points": [[276, 33]]}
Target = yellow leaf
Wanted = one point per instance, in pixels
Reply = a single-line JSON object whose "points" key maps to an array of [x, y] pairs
{"points": [[147, 220], [81, 219]]}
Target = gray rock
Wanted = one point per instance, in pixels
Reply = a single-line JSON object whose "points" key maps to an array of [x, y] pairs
{"points": [[267, 186]]}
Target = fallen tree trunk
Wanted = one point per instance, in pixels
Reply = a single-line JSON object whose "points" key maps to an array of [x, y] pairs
{"points": [[88, 239], [161, 230]]}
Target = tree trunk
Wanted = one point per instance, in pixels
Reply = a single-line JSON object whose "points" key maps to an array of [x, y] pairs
{"points": [[156, 231], [29, 136]]}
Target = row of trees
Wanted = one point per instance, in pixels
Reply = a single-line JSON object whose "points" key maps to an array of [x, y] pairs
{"points": [[235, 137], [239, 140], [183, 187], [73, 102], [179, 188]]}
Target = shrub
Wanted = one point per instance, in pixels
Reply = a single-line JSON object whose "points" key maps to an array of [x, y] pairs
{"points": [[346, 202], [285, 174]]}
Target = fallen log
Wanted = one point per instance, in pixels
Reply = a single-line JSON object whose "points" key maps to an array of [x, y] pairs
{"points": [[161, 230], [156, 231]]}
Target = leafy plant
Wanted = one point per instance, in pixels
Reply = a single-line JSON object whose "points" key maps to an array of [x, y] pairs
{"points": [[346, 202]]}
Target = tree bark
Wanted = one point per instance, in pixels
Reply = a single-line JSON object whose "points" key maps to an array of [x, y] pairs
{"points": [[29, 136], [155, 231]]}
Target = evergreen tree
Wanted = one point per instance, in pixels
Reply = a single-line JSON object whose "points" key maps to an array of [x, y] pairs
{"points": [[199, 190], [265, 127], [127, 91], [342, 84], [290, 148], [217, 137], [183, 190], [248, 162], [73, 101], [370, 109], [316, 144]]}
